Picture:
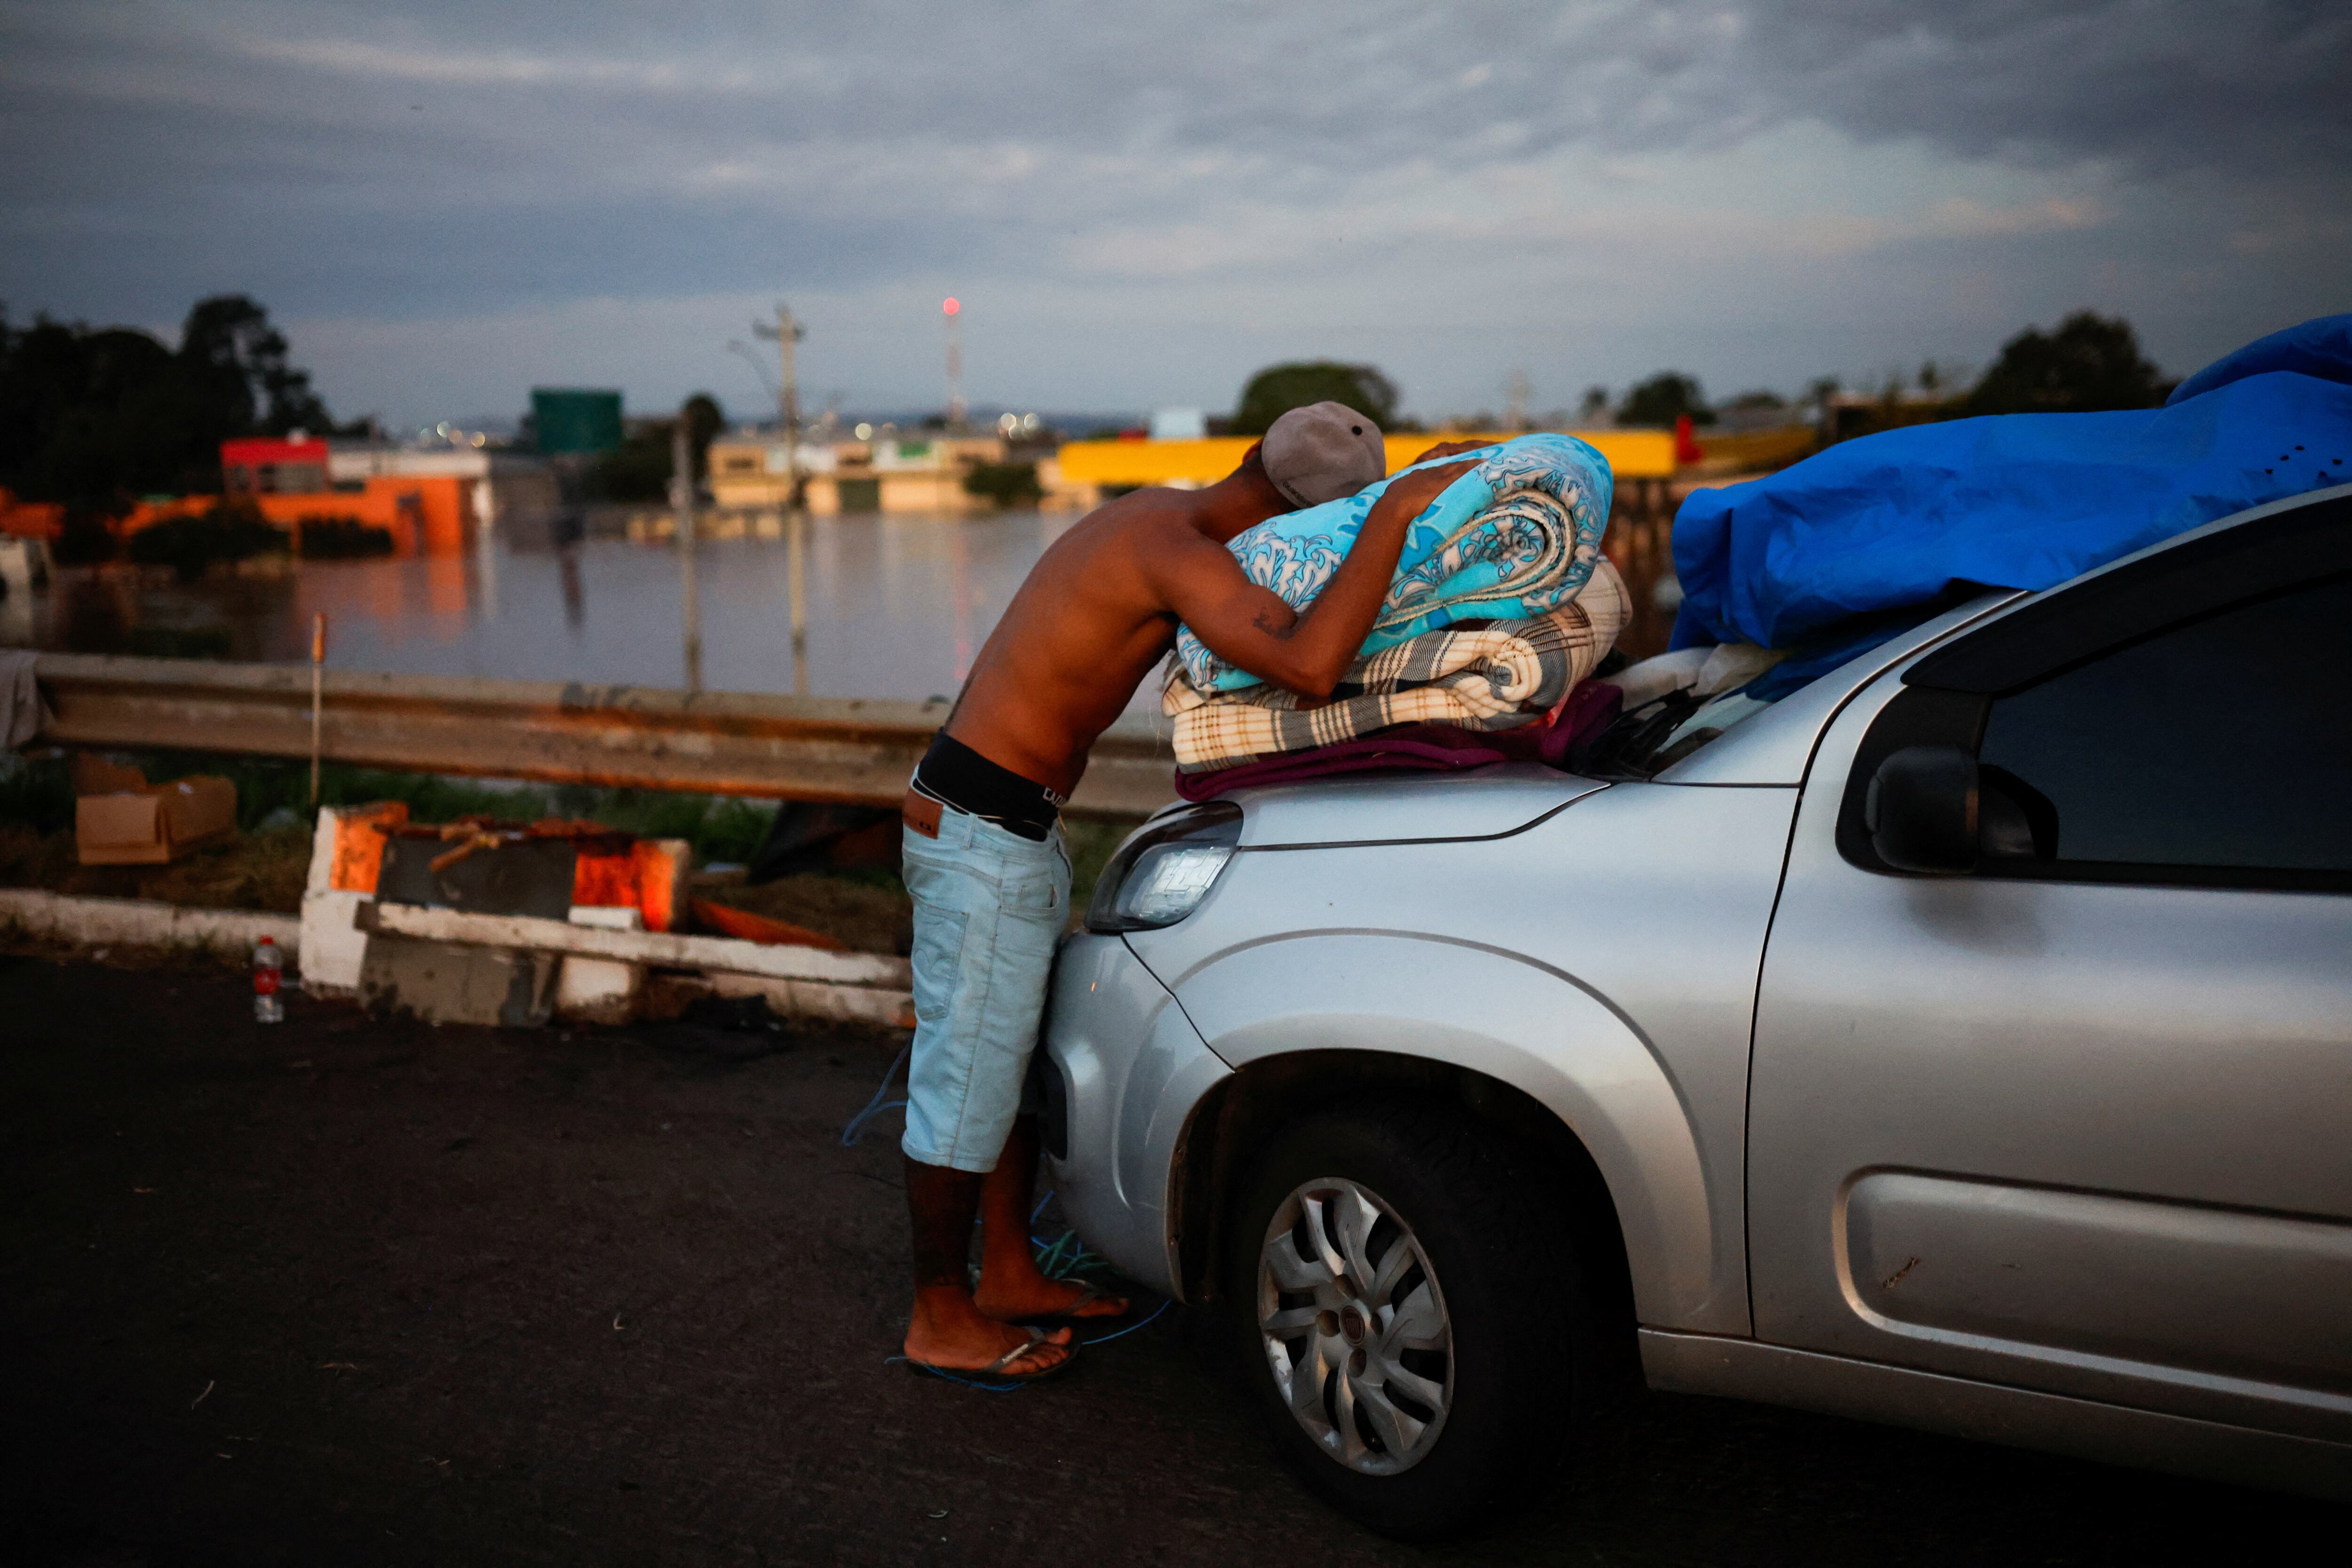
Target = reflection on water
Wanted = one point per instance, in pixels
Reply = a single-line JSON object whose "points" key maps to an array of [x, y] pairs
{"points": [[897, 606]]}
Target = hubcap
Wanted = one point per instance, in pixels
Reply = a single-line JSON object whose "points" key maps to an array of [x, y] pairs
{"points": [[1354, 1327]]}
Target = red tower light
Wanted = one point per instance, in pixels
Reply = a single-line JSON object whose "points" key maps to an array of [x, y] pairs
{"points": [[951, 306]]}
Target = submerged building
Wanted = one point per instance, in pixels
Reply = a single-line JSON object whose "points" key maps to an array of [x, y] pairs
{"points": [[432, 500]]}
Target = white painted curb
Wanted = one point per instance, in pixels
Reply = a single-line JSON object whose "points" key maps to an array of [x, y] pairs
{"points": [[804, 981], [141, 923]]}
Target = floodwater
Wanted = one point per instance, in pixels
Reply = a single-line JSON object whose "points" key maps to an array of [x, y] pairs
{"points": [[897, 606]]}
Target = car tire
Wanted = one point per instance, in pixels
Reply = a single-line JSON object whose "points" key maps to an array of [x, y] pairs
{"points": [[1410, 1440]]}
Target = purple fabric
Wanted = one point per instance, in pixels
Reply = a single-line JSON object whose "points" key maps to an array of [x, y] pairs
{"points": [[1426, 747], [1590, 708], [1423, 748]]}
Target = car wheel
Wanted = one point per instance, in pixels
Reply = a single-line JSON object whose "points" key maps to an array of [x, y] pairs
{"points": [[1411, 1321]]}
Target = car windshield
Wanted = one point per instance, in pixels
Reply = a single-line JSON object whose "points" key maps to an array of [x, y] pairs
{"points": [[1647, 739]]}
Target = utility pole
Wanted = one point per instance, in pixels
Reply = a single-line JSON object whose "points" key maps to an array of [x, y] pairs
{"points": [[951, 309], [681, 497], [796, 571], [785, 333]]}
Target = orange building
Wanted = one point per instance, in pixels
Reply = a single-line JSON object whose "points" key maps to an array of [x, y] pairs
{"points": [[432, 515], [29, 520], [431, 503], [293, 481]]}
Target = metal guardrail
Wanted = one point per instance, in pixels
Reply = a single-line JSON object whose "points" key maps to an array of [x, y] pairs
{"points": [[718, 743]]}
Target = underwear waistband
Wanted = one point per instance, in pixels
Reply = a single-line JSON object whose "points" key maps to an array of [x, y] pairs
{"points": [[955, 775]]}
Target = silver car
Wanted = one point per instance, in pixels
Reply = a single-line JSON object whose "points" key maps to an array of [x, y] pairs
{"points": [[1959, 1037]]}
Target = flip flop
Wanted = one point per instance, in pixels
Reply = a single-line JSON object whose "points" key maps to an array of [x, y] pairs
{"points": [[998, 1368], [1089, 1292]]}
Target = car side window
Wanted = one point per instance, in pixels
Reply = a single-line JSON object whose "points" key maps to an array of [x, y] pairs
{"points": [[2224, 741]]}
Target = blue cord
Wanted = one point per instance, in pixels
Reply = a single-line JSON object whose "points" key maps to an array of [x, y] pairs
{"points": [[856, 1127], [1106, 1339], [926, 1366]]}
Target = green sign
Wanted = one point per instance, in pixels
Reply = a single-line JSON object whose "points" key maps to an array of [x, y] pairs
{"points": [[573, 420]]}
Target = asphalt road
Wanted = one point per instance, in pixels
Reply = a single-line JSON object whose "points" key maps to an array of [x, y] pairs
{"points": [[350, 1291]]}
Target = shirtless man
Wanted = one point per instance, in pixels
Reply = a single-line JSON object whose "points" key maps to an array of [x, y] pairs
{"points": [[985, 857]]}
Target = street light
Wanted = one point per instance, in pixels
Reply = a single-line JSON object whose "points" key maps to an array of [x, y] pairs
{"points": [[751, 357]]}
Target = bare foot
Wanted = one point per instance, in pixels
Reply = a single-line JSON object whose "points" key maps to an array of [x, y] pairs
{"points": [[1005, 1295], [946, 1333]]}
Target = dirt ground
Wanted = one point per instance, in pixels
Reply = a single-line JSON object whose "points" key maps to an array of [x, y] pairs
{"points": [[869, 917], [354, 1291], [246, 871]]}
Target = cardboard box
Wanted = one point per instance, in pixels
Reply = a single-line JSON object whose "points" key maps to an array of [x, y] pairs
{"points": [[151, 824]]}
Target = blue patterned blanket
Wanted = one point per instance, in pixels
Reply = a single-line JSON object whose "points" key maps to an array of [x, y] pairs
{"points": [[1514, 538]]}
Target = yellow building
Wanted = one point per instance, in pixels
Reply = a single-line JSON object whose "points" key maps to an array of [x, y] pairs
{"points": [[921, 472], [1084, 467], [915, 473]]}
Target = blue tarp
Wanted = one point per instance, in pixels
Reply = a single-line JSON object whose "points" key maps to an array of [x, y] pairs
{"points": [[2011, 501]]}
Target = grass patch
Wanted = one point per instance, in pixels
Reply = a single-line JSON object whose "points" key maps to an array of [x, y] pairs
{"points": [[1091, 846], [251, 870], [37, 792], [265, 866]]}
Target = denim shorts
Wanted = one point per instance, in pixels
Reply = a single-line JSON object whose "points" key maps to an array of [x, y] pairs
{"points": [[990, 906]]}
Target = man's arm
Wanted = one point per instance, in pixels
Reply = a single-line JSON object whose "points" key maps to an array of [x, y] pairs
{"points": [[1251, 627]]}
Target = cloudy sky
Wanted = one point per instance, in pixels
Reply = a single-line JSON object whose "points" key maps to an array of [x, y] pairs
{"points": [[447, 204]]}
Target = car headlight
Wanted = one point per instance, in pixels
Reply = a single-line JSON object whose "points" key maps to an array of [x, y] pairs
{"points": [[1161, 874]]}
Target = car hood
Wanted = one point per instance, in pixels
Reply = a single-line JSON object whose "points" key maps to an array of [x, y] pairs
{"points": [[1417, 807]]}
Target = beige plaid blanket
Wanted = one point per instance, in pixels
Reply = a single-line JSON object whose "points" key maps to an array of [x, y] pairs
{"points": [[1493, 676]]}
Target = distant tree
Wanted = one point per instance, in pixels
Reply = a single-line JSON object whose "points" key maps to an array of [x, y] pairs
{"points": [[96, 418], [1665, 398], [639, 468], [84, 539], [1760, 398], [1006, 484], [228, 343], [1594, 410], [340, 539], [1276, 390], [704, 420], [231, 530], [2089, 364], [88, 417]]}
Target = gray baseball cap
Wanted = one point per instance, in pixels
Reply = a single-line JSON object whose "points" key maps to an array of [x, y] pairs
{"points": [[1323, 452]]}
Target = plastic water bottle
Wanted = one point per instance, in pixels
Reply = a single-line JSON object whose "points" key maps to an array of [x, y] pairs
{"points": [[268, 973]]}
